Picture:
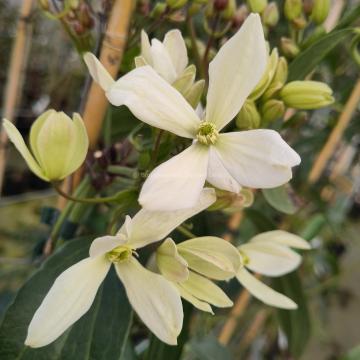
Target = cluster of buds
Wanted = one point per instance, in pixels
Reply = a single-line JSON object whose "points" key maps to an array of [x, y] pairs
{"points": [[273, 95], [76, 13], [269, 12]]}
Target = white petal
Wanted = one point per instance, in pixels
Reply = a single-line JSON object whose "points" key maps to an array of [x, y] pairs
{"points": [[104, 244], [16, 138], [204, 289], [162, 61], [257, 158], [235, 71], [263, 292], [201, 305], [270, 259], [146, 48], [69, 298], [177, 183], [211, 256], [150, 226], [170, 263], [154, 101], [156, 301], [98, 71], [283, 238], [218, 175], [175, 45]]}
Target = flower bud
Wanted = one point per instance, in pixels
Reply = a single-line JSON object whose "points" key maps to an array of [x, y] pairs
{"points": [[272, 110], [176, 4], [257, 6], [158, 10], [289, 48], [229, 11], [194, 9], [58, 145], [184, 82], [270, 16], [73, 4], [231, 202], [220, 5], [44, 4], [281, 72], [193, 95], [267, 77], [299, 23], [292, 9], [320, 11], [240, 15], [306, 95], [248, 117]]}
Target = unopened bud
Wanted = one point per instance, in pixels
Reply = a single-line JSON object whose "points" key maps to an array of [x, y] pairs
{"points": [[194, 9], [176, 4], [320, 11], [248, 117], [231, 202], [272, 110], [220, 5], [229, 11], [158, 10], [292, 9], [270, 16], [58, 145], [281, 72], [289, 48], [267, 77], [257, 6], [306, 95], [73, 4], [240, 15], [193, 95], [184, 82], [44, 4], [299, 23]]}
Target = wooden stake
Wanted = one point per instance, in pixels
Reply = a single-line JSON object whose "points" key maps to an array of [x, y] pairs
{"points": [[18, 62], [336, 135]]}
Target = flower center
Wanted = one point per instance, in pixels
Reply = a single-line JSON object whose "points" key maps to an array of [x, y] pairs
{"points": [[120, 253], [207, 133]]}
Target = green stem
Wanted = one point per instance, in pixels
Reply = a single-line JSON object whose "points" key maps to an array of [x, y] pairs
{"points": [[194, 46], [156, 149], [186, 232], [84, 200]]}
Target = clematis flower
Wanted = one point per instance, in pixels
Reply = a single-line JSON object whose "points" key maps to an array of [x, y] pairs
{"points": [[191, 264], [168, 58], [255, 158], [270, 254], [156, 300], [58, 144]]}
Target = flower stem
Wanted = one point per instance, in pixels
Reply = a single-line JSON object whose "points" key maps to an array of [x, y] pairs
{"points": [[185, 232]]}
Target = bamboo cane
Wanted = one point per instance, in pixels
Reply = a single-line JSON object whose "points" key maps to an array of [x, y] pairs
{"points": [[111, 53], [18, 61], [335, 136]]}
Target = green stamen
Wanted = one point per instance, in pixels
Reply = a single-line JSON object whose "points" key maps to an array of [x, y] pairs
{"points": [[207, 134]]}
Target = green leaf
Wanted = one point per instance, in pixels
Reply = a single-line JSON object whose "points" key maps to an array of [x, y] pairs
{"points": [[349, 18], [280, 199], [101, 334], [208, 348], [308, 59], [294, 323]]}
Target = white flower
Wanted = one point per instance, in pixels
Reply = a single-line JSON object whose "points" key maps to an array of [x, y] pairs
{"points": [[155, 299], [191, 264], [255, 158], [168, 58], [269, 254]]}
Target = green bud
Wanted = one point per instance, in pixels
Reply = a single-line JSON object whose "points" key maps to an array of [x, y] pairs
{"points": [[289, 48], [248, 117], [320, 11], [176, 4], [272, 110], [231, 202], [194, 94], [44, 4], [299, 23], [58, 144], [270, 16], [292, 9], [306, 95], [257, 6], [194, 9], [229, 12], [158, 10], [184, 82], [281, 72], [272, 91], [267, 77], [73, 4]]}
